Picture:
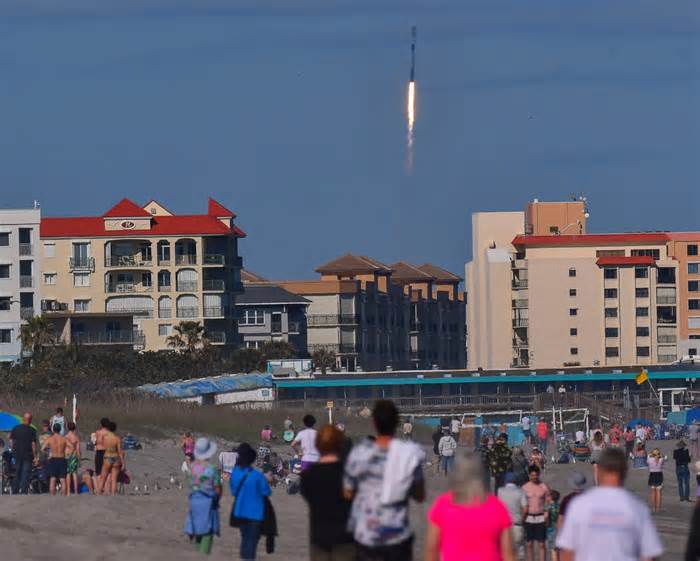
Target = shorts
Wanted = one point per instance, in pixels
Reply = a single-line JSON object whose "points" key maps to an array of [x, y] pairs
{"points": [[99, 460], [397, 552], [58, 468], [551, 537], [73, 464], [535, 531], [656, 480], [527, 433]]}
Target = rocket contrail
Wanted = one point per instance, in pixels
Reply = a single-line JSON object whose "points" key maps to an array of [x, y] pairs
{"points": [[411, 103]]}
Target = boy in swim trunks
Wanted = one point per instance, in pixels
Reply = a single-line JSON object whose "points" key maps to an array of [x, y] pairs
{"points": [[57, 466], [72, 458]]}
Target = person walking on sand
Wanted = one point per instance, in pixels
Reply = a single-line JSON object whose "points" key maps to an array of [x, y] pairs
{"points": [[542, 430], [23, 442], [329, 510], [381, 476], [468, 507], [58, 419], [538, 498], [447, 447], [694, 439], [682, 458], [202, 522], [304, 443], [57, 467], [72, 458], [656, 463], [597, 447], [515, 500], [187, 445], [100, 448], [249, 488], [114, 461], [527, 432], [501, 461], [608, 522]]}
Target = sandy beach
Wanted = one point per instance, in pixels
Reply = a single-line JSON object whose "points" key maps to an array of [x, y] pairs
{"points": [[150, 526]]}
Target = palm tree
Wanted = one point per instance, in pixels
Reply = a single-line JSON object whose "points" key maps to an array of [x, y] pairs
{"points": [[323, 359], [35, 334], [188, 337]]}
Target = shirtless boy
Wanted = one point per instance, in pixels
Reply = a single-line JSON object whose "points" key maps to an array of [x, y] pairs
{"points": [[57, 467], [72, 458]]}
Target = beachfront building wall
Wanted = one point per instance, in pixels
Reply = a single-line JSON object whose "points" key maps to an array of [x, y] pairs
{"points": [[146, 261], [684, 247], [20, 289]]}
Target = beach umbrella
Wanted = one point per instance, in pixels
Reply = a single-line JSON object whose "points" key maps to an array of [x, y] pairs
{"points": [[8, 421]]}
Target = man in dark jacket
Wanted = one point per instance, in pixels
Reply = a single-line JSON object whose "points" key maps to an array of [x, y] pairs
{"points": [[501, 460]]}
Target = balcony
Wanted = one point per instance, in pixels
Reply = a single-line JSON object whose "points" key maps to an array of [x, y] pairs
{"points": [[26, 281], [83, 264], [213, 285], [520, 344], [667, 358], [520, 322], [126, 288], [520, 363], [331, 319], [670, 300], [334, 348], [140, 312], [213, 311], [216, 337], [165, 288], [520, 303], [667, 339], [118, 337], [165, 313], [128, 261], [519, 264], [187, 313], [187, 286], [186, 259], [519, 283], [162, 262], [26, 313], [26, 249], [214, 259]]}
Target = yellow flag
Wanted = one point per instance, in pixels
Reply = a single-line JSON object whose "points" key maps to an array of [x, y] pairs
{"points": [[642, 377]]}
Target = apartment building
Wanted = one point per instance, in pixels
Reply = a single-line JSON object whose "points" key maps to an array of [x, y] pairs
{"points": [[20, 292], [266, 313], [540, 297], [147, 261]]}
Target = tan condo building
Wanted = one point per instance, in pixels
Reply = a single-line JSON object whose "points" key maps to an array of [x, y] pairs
{"points": [[144, 261], [543, 293]]}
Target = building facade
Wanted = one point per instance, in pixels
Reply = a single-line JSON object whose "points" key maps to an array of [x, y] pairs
{"points": [[147, 261], [550, 299], [20, 291]]}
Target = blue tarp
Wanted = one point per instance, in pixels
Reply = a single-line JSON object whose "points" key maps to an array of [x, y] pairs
{"points": [[677, 417], [693, 415], [215, 385]]}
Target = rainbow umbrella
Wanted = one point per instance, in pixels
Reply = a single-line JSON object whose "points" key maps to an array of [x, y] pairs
{"points": [[8, 421]]}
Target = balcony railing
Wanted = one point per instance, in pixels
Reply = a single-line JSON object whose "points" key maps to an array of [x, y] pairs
{"points": [[214, 259], [164, 288], [213, 285], [520, 344], [141, 312], [666, 320], [667, 358], [26, 313], [186, 259], [164, 262], [127, 261], [213, 311], [187, 286], [665, 299], [331, 319], [165, 313], [520, 283], [520, 303], [216, 337], [520, 322], [26, 249], [118, 337], [26, 281], [126, 287], [81, 264], [187, 312], [667, 339], [339, 349]]}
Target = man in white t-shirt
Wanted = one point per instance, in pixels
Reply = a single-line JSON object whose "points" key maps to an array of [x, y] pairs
{"points": [[641, 433], [455, 427], [304, 443], [608, 522], [525, 425]]}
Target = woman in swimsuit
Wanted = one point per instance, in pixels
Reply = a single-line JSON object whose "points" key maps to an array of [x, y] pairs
{"points": [[114, 461], [72, 458]]}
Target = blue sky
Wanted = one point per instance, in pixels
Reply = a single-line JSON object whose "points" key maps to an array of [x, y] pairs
{"points": [[292, 114]]}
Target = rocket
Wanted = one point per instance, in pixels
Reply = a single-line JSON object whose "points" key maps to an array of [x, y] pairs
{"points": [[413, 54]]}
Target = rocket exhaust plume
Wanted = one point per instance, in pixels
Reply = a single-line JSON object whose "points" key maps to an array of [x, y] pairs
{"points": [[411, 104]]}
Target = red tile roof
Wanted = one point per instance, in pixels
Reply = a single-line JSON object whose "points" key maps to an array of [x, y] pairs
{"points": [[407, 273], [440, 274], [638, 238], [623, 260], [350, 263], [126, 208], [215, 208]]}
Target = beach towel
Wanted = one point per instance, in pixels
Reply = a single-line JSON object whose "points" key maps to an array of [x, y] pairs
{"points": [[402, 460], [203, 515]]}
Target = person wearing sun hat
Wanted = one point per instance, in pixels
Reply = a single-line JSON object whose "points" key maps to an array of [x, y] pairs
{"points": [[202, 521]]}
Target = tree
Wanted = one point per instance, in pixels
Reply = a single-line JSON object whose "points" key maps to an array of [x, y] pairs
{"points": [[36, 334], [188, 337], [246, 360], [275, 350], [323, 359]]}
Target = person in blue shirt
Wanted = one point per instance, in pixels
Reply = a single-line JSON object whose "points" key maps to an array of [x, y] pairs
{"points": [[249, 489]]}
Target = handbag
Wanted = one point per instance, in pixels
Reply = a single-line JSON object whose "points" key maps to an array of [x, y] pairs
{"points": [[237, 521]]}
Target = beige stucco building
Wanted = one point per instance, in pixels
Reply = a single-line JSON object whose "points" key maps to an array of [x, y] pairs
{"points": [[147, 261], [543, 293]]}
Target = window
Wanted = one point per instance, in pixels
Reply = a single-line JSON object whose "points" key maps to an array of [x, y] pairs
{"points": [[554, 229], [5, 335], [49, 249], [573, 350], [694, 304], [81, 305], [573, 331], [50, 278], [4, 271], [611, 332], [572, 272], [146, 280], [611, 352], [4, 239], [573, 311], [165, 329], [641, 292], [693, 351], [642, 332], [610, 273], [692, 249], [693, 286], [252, 317], [610, 253], [253, 344], [666, 275], [572, 292], [655, 253], [641, 273], [610, 312], [5, 304], [610, 293], [642, 351], [81, 279], [693, 268], [642, 312]]}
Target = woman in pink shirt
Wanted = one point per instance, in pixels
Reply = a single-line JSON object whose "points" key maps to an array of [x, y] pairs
{"points": [[467, 523]]}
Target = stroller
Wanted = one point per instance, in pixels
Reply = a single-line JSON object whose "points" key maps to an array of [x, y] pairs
{"points": [[38, 479]]}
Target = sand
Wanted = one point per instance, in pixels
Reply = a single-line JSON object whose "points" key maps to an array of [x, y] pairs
{"points": [[149, 526]]}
